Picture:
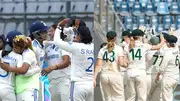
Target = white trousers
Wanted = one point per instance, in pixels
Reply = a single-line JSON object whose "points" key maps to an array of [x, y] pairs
{"points": [[153, 89], [137, 87], [168, 86], [7, 94], [28, 95], [60, 89], [112, 87], [82, 91]]}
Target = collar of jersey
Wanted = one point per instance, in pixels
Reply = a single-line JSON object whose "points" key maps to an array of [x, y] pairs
{"points": [[37, 43]]}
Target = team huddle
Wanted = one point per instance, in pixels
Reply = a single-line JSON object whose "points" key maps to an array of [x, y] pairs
{"points": [[138, 69], [62, 52]]}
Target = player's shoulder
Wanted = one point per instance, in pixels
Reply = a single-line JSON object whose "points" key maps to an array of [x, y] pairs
{"points": [[36, 44], [28, 52]]}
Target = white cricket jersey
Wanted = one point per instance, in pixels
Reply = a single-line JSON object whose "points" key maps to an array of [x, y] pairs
{"points": [[40, 53], [82, 60], [14, 60], [153, 61], [137, 55], [29, 57], [110, 60], [54, 55], [170, 63]]}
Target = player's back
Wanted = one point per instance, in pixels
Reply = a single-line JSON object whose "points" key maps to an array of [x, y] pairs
{"points": [[137, 55], [14, 60], [170, 66], [110, 59], [82, 62], [153, 61]]}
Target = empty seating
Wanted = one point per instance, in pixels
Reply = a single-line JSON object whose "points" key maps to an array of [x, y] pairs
{"points": [[9, 27], [154, 20], [2, 28], [150, 9], [116, 4], [177, 22], [128, 20], [141, 20], [8, 8], [32, 7], [78, 7], [43, 7], [137, 9], [143, 2], [124, 9], [20, 27], [159, 28], [167, 21], [174, 8], [89, 7], [162, 8], [131, 2], [134, 26], [19, 8]]}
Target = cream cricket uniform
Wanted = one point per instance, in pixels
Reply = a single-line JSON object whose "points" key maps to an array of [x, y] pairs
{"points": [[59, 79], [82, 67], [170, 72], [28, 83], [137, 84], [7, 92], [124, 70], [111, 79], [153, 61]]}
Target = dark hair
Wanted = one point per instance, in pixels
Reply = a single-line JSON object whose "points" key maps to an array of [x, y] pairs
{"points": [[85, 34], [172, 44], [54, 26], [5, 50]]}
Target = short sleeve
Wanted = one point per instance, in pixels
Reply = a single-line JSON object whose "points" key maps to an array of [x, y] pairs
{"points": [[28, 57], [65, 53], [100, 54]]}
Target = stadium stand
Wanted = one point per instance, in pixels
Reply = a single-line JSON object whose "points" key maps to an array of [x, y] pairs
{"points": [[12, 12]]}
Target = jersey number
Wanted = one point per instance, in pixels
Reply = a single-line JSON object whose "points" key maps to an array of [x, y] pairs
{"points": [[177, 60], [106, 58], [5, 75], [156, 58], [136, 54], [92, 62]]}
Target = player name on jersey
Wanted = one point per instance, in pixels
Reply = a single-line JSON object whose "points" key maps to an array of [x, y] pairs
{"points": [[87, 51]]}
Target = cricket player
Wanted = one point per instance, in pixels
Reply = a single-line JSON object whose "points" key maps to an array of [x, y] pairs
{"points": [[27, 79], [125, 43], [82, 62], [169, 69], [110, 59], [137, 84], [38, 33], [153, 61], [59, 71], [7, 83]]}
